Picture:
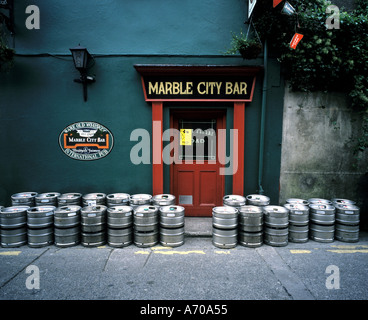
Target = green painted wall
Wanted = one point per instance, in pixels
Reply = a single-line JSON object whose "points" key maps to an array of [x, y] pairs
{"points": [[38, 98]]}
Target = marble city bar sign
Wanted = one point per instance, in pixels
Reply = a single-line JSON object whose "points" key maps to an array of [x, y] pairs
{"points": [[178, 83]]}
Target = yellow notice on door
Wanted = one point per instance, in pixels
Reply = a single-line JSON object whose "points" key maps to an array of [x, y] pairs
{"points": [[186, 137]]}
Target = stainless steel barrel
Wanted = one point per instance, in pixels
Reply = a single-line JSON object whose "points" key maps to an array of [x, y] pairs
{"points": [[145, 218], [24, 199], [42, 237], [11, 238], [251, 239], [67, 237], [224, 227], [172, 216], [40, 223], [276, 237], [93, 218], [146, 239], [40, 217], [323, 214], [298, 222], [225, 217], [146, 226], [161, 200], [172, 237], [319, 201], [276, 216], [47, 199], [119, 226], [347, 222], [276, 222], [70, 199], [13, 223], [348, 214], [297, 201], [234, 200], [119, 238], [347, 233], [322, 233], [298, 214], [250, 218], [117, 199], [225, 238], [119, 217], [258, 200], [94, 199], [67, 217], [140, 199], [67, 226], [250, 226], [93, 239], [14, 217]]}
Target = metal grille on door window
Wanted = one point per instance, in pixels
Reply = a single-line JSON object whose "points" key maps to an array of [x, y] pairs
{"points": [[197, 139]]}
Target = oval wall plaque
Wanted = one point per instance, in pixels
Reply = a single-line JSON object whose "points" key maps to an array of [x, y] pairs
{"points": [[86, 141]]}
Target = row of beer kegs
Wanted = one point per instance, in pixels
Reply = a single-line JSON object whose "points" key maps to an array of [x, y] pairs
{"points": [[93, 219], [96, 218], [252, 221]]}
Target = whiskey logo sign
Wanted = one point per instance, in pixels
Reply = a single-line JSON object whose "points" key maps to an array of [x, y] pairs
{"points": [[86, 141]]}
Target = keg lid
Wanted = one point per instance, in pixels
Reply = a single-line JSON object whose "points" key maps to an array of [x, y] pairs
{"points": [[47, 195], [163, 199], [71, 208], [296, 207], [322, 208], [250, 209], [145, 209], [234, 199], [118, 196], [225, 210], [94, 196], [140, 196], [41, 209], [342, 201], [297, 201], [275, 209], [258, 198], [319, 201], [23, 195], [97, 208], [347, 208], [120, 209], [172, 209], [14, 209], [70, 196]]}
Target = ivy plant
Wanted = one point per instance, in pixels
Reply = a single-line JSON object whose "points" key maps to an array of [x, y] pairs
{"points": [[325, 59]]}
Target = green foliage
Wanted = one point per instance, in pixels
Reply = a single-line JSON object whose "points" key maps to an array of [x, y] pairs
{"points": [[324, 60], [248, 48]]}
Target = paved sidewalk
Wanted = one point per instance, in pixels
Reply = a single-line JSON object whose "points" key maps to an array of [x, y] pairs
{"points": [[196, 270]]}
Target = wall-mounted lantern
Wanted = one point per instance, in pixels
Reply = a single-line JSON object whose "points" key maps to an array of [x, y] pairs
{"points": [[82, 62]]}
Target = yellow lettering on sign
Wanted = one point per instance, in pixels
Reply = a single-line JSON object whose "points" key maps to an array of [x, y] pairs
{"points": [[186, 137], [236, 88]]}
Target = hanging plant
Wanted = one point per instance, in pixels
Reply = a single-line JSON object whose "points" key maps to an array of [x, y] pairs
{"points": [[248, 48]]}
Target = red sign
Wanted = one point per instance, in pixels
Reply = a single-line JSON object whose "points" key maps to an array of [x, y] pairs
{"points": [[295, 40], [276, 3]]}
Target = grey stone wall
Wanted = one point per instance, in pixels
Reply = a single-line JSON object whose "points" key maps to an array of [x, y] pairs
{"points": [[317, 159]]}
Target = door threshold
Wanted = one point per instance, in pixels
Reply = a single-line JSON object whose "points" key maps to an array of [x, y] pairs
{"points": [[198, 226]]}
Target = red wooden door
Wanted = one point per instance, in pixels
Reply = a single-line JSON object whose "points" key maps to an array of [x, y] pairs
{"points": [[195, 178]]}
